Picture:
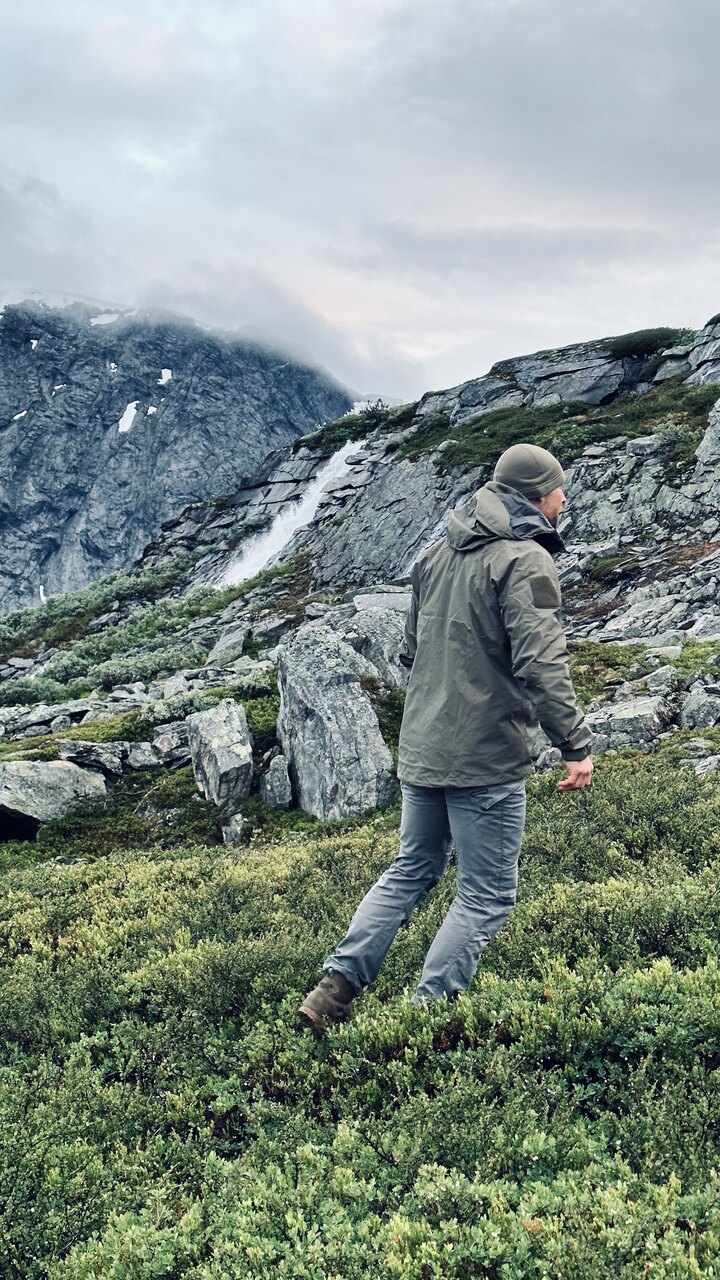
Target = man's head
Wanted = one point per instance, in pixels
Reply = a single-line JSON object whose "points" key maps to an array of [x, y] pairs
{"points": [[536, 474]]}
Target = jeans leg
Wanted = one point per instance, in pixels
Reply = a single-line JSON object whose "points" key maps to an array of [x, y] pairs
{"points": [[422, 857], [487, 825]]}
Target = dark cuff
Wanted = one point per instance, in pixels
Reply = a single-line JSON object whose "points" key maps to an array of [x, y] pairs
{"points": [[580, 753]]}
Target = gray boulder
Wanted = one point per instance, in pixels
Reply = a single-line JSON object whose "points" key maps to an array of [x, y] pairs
{"points": [[22, 721], [108, 757], [229, 646], [170, 741], [275, 784], [221, 752], [33, 792], [142, 755], [376, 632], [636, 723], [176, 685], [232, 829], [60, 724], [661, 680], [328, 727], [700, 709]]}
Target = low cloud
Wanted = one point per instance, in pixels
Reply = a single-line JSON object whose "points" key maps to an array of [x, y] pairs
{"points": [[400, 191]]}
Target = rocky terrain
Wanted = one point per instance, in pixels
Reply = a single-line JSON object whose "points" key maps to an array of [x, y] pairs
{"points": [[165, 666], [112, 422], [197, 786]]}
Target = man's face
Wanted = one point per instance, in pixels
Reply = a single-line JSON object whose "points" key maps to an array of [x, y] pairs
{"points": [[551, 506]]}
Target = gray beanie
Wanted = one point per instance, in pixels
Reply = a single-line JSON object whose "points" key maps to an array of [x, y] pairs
{"points": [[531, 470]]}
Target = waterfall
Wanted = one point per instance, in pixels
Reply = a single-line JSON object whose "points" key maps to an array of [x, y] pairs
{"points": [[265, 547]]}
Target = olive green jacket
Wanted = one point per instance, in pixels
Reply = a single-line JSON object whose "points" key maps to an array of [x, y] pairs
{"points": [[486, 647]]}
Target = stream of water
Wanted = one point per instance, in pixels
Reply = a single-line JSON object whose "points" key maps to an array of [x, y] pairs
{"points": [[265, 547]]}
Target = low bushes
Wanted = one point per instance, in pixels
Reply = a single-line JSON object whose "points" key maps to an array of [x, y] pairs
{"points": [[163, 1114], [566, 429]]}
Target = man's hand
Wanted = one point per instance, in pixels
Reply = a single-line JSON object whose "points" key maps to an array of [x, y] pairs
{"points": [[580, 774]]}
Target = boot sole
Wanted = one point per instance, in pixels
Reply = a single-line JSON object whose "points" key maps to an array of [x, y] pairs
{"points": [[311, 1020]]}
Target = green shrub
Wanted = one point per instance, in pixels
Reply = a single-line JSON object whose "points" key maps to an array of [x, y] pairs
{"points": [[26, 692], [356, 426], [147, 644], [65, 617], [644, 343], [593, 665], [262, 714]]}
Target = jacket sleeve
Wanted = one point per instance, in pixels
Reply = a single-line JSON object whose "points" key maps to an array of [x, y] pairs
{"points": [[409, 645], [530, 603]]}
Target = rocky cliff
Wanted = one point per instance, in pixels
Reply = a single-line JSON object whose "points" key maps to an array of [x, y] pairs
{"points": [[110, 423], [113, 678]]}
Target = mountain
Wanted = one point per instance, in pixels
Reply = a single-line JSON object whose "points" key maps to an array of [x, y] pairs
{"points": [[110, 422]]}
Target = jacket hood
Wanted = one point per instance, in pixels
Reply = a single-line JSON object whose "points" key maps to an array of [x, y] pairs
{"points": [[497, 511]]}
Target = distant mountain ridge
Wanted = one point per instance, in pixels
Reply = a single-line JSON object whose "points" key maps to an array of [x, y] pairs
{"points": [[113, 421]]}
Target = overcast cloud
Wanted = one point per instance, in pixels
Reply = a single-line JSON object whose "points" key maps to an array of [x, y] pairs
{"points": [[402, 191]]}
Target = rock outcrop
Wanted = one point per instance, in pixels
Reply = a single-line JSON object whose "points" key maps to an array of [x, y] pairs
{"points": [[32, 793], [642, 567], [328, 727], [588, 373], [275, 784], [221, 752]]}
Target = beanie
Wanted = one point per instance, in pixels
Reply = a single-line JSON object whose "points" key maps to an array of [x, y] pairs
{"points": [[531, 470]]}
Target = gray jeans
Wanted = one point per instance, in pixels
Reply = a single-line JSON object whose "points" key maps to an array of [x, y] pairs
{"points": [[485, 824]]}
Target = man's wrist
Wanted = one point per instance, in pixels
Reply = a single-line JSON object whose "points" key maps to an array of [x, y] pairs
{"points": [[580, 753]]}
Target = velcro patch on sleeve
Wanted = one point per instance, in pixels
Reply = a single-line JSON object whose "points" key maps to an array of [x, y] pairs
{"points": [[545, 592]]}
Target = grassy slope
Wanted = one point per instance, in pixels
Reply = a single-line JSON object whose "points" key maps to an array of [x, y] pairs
{"points": [[162, 1114]]}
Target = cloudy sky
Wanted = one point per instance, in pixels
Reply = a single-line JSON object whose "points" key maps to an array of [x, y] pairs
{"points": [[401, 190]]}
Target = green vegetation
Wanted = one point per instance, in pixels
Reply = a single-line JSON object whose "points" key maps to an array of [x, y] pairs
{"points": [[146, 644], [262, 714], [644, 343], [162, 1114], [389, 704], [608, 566], [566, 430], [593, 665], [697, 655], [64, 617], [356, 426]]}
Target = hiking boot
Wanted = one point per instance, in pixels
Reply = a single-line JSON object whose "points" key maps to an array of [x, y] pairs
{"points": [[329, 1001]]}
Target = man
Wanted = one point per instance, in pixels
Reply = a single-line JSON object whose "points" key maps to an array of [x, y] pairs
{"points": [[488, 658]]}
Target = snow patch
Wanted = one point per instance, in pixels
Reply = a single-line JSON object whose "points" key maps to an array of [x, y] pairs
{"points": [[34, 342], [128, 417], [165, 376], [43, 597], [18, 416], [264, 548], [151, 409], [112, 366], [107, 317], [59, 386]]}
